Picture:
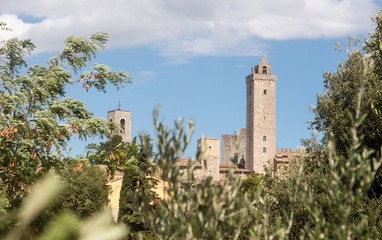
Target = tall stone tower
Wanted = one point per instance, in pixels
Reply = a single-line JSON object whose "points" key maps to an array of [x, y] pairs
{"points": [[261, 116], [123, 119]]}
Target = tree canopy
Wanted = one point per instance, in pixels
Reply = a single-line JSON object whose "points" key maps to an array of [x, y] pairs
{"points": [[351, 94], [36, 118]]}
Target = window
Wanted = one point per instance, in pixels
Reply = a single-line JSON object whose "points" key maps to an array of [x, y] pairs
{"points": [[122, 124], [264, 70], [265, 91], [264, 138], [264, 150]]}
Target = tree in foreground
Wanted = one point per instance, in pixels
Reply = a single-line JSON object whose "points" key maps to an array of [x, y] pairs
{"points": [[137, 187], [133, 159], [318, 196], [192, 209], [84, 193], [36, 118], [332, 191], [355, 88], [64, 225]]}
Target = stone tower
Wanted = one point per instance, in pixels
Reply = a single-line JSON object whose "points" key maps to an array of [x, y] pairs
{"points": [[261, 116], [123, 119], [233, 146], [209, 148]]}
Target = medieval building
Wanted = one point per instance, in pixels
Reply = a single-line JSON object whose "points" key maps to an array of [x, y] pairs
{"points": [[250, 150], [253, 148]]}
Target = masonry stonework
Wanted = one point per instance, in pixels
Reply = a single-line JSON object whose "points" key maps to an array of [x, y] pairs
{"points": [[209, 157], [123, 119], [233, 146], [261, 117], [255, 144]]}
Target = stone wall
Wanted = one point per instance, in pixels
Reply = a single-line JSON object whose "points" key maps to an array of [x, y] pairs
{"points": [[233, 146]]}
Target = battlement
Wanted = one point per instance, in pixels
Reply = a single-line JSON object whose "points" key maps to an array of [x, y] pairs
{"points": [[283, 154], [284, 150], [282, 157]]}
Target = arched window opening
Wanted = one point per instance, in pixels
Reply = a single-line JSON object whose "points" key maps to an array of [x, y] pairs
{"points": [[264, 150], [264, 70], [122, 124], [265, 91], [264, 138]]}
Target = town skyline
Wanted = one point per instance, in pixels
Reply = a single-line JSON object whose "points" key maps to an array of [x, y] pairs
{"points": [[193, 63]]}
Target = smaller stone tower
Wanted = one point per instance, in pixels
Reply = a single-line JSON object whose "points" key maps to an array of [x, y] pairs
{"points": [[123, 119], [209, 148]]}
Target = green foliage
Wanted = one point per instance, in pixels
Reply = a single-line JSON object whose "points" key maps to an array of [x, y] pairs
{"points": [[322, 193], [86, 191], [113, 153], [12, 53], [66, 226], [4, 205], [36, 123], [250, 185], [36, 119], [346, 182], [192, 210], [318, 196], [133, 159], [137, 186], [354, 89]]}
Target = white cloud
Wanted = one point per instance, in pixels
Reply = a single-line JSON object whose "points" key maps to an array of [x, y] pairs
{"points": [[186, 28], [147, 74]]}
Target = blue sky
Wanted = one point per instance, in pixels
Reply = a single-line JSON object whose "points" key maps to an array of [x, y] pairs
{"points": [[191, 57]]}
